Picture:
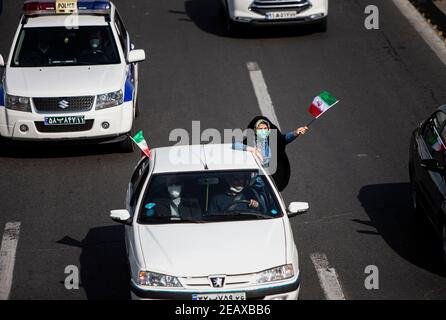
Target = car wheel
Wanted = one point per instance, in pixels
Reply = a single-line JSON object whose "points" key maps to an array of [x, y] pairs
{"points": [[137, 111], [231, 27], [323, 25], [415, 201], [127, 145]]}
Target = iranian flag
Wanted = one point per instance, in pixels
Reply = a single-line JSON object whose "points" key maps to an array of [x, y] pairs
{"points": [[322, 103], [141, 142], [437, 143]]}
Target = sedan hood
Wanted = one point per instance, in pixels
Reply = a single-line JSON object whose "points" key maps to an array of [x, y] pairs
{"points": [[65, 81], [240, 247]]}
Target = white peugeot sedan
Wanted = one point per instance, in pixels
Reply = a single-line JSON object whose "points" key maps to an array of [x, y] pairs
{"points": [[72, 74], [269, 12], [205, 222]]}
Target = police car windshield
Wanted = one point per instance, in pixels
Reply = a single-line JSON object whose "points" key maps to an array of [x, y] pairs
{"points": [[208, 197], [59, 46]]}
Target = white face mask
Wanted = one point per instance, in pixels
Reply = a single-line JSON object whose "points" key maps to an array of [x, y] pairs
{"points": [[236, 189], [174, 191], [95, 43]]}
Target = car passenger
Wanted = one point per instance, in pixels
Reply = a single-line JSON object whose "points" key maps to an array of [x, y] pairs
{"points": [[97, 50], [174, 205], [239, 196]]}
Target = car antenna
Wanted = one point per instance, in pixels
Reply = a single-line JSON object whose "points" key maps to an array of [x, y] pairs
{"points": [[205, 163]]}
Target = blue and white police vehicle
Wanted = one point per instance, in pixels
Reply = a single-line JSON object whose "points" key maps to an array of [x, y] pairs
{"points": [[72, 74]]}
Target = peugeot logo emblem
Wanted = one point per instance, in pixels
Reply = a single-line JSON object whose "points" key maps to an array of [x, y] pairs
{"points": [[217, 282], [63, 104]]}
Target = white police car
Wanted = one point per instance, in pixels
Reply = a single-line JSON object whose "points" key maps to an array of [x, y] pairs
{"points": [[206, 222], [72, 74], [275, 12]]}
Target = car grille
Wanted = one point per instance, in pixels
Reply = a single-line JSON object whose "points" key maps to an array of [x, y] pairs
{"points": [[264, 6], [65, 104], [41, 127], [231, 282]]}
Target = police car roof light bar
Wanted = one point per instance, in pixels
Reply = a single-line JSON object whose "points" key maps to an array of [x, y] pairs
{"points": [[48, 7]]}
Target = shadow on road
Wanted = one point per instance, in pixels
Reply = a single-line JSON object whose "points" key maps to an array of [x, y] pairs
{"points": [[104, 272], [209, 16], [38, 149], [389, 207]]}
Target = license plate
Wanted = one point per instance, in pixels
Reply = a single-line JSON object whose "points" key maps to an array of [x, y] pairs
{"points": [[66, 6], [281, 15], [220, 296], [64, 121]]}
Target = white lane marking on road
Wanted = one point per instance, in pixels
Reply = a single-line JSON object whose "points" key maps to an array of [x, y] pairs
{"points": [[7, 257], [261, 91], [423, 28], [328, 277]]}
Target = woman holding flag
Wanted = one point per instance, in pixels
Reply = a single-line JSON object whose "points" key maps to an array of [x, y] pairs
{"points": [[262, 147]]}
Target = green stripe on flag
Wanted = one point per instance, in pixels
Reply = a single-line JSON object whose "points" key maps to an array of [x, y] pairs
{"points": [[328, 98], [139, 137]]}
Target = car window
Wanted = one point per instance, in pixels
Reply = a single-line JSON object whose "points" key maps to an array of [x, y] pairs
{"points": [[433, 140], [137, 181], [59, 46], [207, 197], [122, 32], [440, 118]]}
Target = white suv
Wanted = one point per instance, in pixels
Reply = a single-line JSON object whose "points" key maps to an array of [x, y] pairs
{"points": [[206, 222], [269, 12], [72, 74]]}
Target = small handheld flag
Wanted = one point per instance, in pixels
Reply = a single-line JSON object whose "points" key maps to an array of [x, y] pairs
{"points": [[437, 143], [321, 104], [141, 143]]}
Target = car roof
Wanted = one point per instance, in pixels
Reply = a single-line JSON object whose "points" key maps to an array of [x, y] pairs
{"points": [[61, 21], [57, 20], [189, 158]]}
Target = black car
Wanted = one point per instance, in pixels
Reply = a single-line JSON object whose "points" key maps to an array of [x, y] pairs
{"points": [[427, 169]]}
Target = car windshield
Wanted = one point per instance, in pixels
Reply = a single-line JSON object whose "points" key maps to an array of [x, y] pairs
{"points": [[208, 197], [59, 46]]}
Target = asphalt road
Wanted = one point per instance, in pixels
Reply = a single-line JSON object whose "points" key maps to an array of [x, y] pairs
{"points": [[351, 167]]}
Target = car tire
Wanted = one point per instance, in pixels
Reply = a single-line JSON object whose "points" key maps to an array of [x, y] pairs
{"points": [[137, 110], [232, 27], [415, 201], [126, 145], [322, 26]]}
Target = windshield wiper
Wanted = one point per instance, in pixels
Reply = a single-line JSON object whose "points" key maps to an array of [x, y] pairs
{"points": [[188, 220], [241, 214], [169, 219]]}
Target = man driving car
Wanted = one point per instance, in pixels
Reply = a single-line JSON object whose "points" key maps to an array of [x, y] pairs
{"points": [[237, 197]]}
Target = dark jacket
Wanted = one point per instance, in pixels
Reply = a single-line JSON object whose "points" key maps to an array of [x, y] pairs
{"points": [[188, 208], [283, 172]]}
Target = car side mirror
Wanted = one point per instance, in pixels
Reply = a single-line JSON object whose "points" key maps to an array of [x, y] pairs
{"points": [[432, 165], [135, 56], [121, 216], [2, 61], [297, 208]]}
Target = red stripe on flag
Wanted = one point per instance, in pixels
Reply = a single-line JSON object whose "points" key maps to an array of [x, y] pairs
{"points": [[314, 110]]}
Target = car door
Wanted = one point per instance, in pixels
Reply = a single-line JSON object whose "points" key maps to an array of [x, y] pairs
{"points": [[124, 39], [431, 184], [136, 183]]}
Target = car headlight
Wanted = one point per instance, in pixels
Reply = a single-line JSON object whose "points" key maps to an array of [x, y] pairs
{"points": [[109, 100], [153, 279], [275, 274], [18, 103]]}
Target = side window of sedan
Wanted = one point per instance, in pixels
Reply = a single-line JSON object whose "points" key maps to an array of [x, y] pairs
{"points": [[122, 32], [433, 140], [137, 180]]}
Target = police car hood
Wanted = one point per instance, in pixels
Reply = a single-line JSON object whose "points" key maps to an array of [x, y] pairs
{"points": [[214, 248], [65, 81]]}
